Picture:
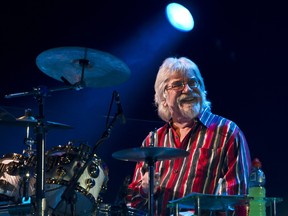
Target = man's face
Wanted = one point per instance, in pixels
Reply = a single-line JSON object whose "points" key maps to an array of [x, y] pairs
{"points": [[183, 96]]}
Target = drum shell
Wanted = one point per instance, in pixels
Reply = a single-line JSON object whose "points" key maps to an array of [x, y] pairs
{"points": [[62, 163]]}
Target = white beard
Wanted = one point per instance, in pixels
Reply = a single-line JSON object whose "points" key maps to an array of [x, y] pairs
{"points": [[190, 111]]}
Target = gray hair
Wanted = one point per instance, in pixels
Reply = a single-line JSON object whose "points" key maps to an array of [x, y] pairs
{"points": [[171, 66]]}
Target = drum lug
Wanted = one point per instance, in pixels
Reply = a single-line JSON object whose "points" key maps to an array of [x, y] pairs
{"points": [[61, 172], [89, 183]]}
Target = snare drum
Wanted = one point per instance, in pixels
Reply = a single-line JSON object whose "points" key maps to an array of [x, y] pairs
{"points": [[63, 162], [15, 182]]}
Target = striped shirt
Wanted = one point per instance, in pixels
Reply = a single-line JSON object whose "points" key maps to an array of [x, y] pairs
{"points": [[218, 149]]}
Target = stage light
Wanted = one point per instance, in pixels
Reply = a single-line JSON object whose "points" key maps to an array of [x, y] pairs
{"points": [[179, 17]]}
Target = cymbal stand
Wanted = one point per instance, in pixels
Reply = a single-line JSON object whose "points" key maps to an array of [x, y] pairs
{"points": [[30, 152], [39, 93], [26, 177], [151, 165], [40, 149], [28, 141]]}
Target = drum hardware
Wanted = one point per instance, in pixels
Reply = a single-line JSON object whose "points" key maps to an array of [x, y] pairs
{"points": [[30, 143], [40, 127], [16, 209], [26, 198], [66, 64], [90, 183], [28, 140], [93, 170], [23, 168], [61, 172], [199, 202], [150, 155]]}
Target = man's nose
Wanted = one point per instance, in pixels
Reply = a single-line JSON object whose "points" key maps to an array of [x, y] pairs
{"points": [[187, 88]]}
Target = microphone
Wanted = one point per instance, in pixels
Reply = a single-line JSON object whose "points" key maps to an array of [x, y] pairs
{"points": [[119, 106]]}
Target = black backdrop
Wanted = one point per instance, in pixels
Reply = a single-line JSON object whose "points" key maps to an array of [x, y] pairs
{"points": [[239, 46]]}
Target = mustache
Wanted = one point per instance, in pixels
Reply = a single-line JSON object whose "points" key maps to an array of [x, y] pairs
{"points": [[188, 97]]}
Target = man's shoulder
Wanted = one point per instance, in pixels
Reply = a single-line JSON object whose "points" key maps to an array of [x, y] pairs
{"points": [[209, 118]]}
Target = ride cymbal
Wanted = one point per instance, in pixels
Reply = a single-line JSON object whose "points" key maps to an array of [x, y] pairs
{"points": [[84, 66], [148, 153]]}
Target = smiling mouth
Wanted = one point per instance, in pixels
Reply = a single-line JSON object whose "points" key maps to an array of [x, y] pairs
{"points": [[188, 100]]}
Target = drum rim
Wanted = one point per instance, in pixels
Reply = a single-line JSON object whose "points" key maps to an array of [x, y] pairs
{"points": [[13, 156], [66, 148]]}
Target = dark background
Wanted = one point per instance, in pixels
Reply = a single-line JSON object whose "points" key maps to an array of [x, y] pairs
{"points": [[239, 46]]}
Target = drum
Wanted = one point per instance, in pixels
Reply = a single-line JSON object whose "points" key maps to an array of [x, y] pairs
{"points": [[15, 179], [63, 162]]}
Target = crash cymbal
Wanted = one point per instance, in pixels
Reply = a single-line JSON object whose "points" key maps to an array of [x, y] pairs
{"points": [[89, 67], [147, 153]]}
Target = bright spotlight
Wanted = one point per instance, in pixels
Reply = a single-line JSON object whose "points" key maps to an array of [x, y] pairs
{"points": [[179, 17]]}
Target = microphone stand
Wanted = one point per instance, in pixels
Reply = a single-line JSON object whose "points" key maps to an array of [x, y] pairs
{"points": [[69, 192]]}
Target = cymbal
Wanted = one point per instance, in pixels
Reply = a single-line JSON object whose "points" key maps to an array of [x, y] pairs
{"points": [[209, 201], [147, 153], [88, 67], [30, 121]]}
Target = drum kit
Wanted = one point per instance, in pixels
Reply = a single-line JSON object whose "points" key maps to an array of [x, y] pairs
{"points": [[66, 180], [69, 179]]}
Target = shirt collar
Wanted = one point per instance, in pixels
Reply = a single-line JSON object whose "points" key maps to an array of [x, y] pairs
{"points": [[204, 116]]}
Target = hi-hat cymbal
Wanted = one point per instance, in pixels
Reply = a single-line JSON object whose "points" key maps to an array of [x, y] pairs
{"points": [[89, 67], [29, 121], [149, 153]]}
